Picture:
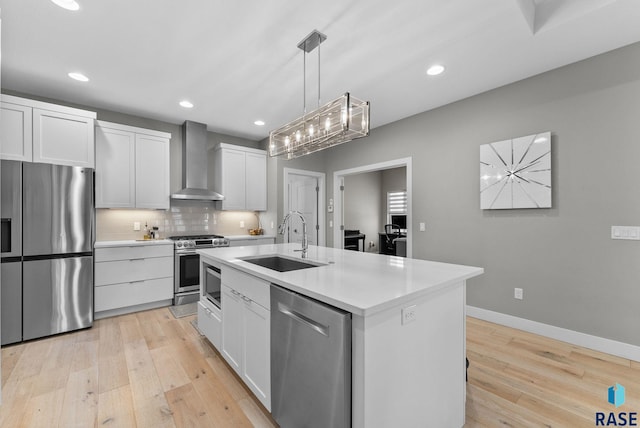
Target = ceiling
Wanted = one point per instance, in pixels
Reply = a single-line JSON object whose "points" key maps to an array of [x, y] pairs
{"points": [[238, 61]]}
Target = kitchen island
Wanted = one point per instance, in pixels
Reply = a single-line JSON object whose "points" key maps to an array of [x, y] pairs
{"points": [[408, 327]]}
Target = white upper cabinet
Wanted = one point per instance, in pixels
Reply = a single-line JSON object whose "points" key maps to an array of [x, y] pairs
{"points": [[240, 175], [15, 132], [132, 167], [115, 168], [33, 131], [152, 171]]}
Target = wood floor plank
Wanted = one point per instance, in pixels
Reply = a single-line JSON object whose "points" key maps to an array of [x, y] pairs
{"points": [[230, 381], [255, 414], [189, 410], [115, 408], [112, 372], [152, 409], [10, 357], [170, 371], [80, 405], [43, 410]]}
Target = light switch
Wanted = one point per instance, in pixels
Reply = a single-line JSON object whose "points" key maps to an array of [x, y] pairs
{"points": [[136, 225], [630, 233]]}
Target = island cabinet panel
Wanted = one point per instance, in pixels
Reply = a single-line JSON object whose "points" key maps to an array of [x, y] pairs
{"points": [[246, 334], [210, 323], [35, 131], [232, 336], [427, 375], [256, 369]]}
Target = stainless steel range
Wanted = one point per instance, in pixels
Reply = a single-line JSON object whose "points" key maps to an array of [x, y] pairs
{"points": [[187, 264]]}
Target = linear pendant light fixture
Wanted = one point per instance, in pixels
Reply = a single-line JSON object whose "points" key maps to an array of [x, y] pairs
{"points": [[336, 122]]}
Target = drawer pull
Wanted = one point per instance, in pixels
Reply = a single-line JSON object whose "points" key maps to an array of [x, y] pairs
{"points": [[135, 260], [136, 282], [246, 299], [235, 293]]}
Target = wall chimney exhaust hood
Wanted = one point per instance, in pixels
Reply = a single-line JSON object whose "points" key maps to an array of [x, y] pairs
{"points": [[194, 164]]}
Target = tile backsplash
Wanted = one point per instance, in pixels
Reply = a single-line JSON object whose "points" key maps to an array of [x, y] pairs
{"points": [[183, 218]]}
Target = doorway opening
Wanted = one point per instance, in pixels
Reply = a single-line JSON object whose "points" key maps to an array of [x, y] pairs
{"points": [[339, 179], [304, 191]]}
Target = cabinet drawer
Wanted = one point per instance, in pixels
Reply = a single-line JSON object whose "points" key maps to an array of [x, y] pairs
{"points": [[133, 252], [210, 324], [254, 288], [117, 296], [133, 270]]}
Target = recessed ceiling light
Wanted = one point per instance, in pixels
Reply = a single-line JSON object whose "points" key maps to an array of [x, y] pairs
{"points": [[186, 104], [67, 4], [259, 122], [79, 77], [434, 70]]}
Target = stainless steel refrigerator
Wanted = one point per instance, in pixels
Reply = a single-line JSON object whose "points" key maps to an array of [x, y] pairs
{"points": [[47, 255]]}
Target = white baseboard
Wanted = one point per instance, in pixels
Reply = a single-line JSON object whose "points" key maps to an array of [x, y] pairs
{"points": [[608, 346]]}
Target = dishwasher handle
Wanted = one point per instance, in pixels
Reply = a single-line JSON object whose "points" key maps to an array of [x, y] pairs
{"points": [[322, 329]]}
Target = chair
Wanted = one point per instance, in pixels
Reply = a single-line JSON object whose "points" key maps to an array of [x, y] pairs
{"points": [[390, 236]]}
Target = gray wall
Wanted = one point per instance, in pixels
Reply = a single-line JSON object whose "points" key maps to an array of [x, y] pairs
{"points": [[362, 201], [573, 275]]}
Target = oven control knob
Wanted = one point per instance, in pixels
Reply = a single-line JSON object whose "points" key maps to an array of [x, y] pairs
{"points": [[179, 244], [191, 244], [225, 242]]}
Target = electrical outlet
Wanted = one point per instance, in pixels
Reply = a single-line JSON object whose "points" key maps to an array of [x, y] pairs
{"points": [[408, 314], [136, 225], [423, 227], [241, 223], [271, 225], [330, 223], [518, 293]]}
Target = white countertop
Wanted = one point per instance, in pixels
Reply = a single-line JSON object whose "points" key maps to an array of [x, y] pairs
{"points": [[361, 283], [132, 243], [238, 237]]}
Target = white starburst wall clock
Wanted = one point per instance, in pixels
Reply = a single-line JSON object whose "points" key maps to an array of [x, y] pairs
{"points": [[516, 173]]}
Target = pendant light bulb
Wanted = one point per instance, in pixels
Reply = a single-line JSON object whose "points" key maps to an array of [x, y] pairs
{"points": [[327, 124]]}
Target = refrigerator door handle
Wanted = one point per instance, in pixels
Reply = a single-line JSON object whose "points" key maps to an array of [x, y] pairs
{"points": [[6, 235], [322, 329]]}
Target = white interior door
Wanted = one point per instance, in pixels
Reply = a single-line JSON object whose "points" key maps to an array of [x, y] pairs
{"points": [[303, 197]]}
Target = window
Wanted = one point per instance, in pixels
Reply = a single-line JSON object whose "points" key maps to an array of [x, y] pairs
{"points": [[397, 208]]}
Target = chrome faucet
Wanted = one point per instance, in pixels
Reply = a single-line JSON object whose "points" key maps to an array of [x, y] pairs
{"points": [[305, 242]]}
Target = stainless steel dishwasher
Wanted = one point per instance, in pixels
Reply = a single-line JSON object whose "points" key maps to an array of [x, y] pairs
{"points": [[310, 362]]}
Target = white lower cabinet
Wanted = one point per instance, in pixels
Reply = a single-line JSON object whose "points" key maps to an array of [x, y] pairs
{"points": [[131, 278], [246, 322], [210, 323]]}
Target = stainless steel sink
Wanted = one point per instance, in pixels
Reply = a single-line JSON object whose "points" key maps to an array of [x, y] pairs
{"points": [[281, 263]]}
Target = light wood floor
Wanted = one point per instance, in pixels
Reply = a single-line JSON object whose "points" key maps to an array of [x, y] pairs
{"points": [[151, 370], [518, 379]]}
